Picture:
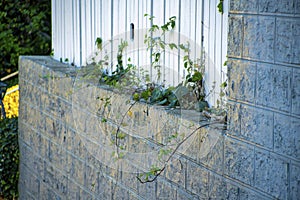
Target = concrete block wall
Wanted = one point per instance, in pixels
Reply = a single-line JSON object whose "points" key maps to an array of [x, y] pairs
{"points": [[264, 85], [64, 156], [258, 156]]}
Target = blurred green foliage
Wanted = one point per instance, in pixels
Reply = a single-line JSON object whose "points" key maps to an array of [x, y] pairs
{"points": [[25, 29], [9, 158]]}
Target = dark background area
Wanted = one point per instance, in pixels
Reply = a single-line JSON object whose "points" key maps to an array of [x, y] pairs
{"points": [[25, 29]]}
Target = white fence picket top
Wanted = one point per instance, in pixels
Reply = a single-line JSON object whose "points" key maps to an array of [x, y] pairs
{"points": [[77, 23]]}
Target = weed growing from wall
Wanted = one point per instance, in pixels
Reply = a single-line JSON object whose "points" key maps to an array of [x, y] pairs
{"points": [[137, 90]]}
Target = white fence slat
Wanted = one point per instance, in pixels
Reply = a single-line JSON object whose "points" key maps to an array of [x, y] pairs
{"points": [[206, 43], [106, 20], [97, 15], [85, 21], [77, 57], [193, 30], [224, 39], [218, 51], [62, 28], [185, 32], [56, 40], [77, 23], [140, 30], [199, 28], [68, 36], [93, 27], [171, 62], [54, 24], [133, 14]]}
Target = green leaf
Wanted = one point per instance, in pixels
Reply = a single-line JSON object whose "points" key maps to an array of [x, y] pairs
{"points": [[223, 85], [121, 155], [154, 170], [136, 96], [185, 65], [163, 102], [156, 95], [181, 46], [146, 94], [220, 6], [157, 57], [173, 24], [162, 45], [99, 43], [197, 76], [121, 135], [172, 18], [164, 27], [153, 28], [172, 46]]}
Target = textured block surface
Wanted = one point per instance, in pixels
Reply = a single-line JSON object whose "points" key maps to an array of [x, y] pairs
{"points": [[195, 173], [296, 92], [295, 182], [259, 38], [257, 157], [239, 161], [244, 6], [269, 6], [271, 174], [235, 38], [264, 89], [285, 126], [257, 126], [242, 80], [274, 87], [287, 40]]}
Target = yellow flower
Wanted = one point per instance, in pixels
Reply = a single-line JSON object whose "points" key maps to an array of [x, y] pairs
{"points": [[129, 113], [11, 102]]}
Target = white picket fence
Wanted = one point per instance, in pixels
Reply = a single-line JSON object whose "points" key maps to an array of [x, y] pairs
{"points": [[77, 23]]}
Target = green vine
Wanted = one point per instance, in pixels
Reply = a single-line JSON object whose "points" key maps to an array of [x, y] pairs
{"points": [[157, 44], [155, 171], [150, 92]]}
